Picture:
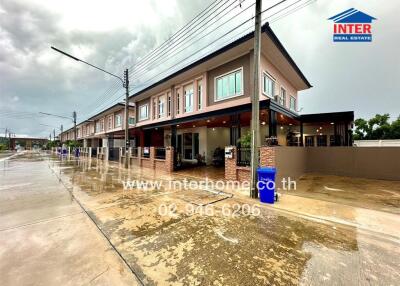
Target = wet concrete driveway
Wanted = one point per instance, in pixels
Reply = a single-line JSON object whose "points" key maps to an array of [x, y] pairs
{"points": [[181, 237]]}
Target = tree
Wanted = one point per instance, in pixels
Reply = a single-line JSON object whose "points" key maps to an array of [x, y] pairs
{"points": [[377, 128]]}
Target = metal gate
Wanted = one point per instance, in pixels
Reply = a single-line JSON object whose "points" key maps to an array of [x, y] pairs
{"points": [[113, 154]]}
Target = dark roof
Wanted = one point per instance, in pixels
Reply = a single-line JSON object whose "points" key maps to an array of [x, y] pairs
{"points": [[264, 29], [347, 116], [90, 119], [105, 110], [352, 16]]}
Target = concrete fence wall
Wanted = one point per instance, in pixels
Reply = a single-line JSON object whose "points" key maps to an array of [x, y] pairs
{"points": [[369, 162], [152, 162]]}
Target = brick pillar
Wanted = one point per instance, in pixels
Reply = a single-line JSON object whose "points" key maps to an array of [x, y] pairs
{"points": [[152, 157], [169, 159], [267, 157], [230, 166]]}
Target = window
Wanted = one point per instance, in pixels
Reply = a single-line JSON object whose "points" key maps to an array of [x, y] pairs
{"points": [[292, 103], [110, 123], [97, 126], [131, 120], [199, 95], [188, 99], [102, 125], [188, 144], [118, 120], [154, 108], [169, 103], [144, 112], [229, 85], [177, 102], [309, 141], [269, 85], [282, 98], [161, 105]]}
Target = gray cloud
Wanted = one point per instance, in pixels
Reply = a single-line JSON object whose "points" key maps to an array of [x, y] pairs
{"points": [[30, 72], [361, 77]]}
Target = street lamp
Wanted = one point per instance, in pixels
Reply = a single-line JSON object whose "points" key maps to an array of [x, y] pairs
{"points": [[73, 118], [58, 128], [125, 84]]}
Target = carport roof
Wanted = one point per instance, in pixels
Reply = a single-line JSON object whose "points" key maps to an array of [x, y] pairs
{"points": [[347, 116]]}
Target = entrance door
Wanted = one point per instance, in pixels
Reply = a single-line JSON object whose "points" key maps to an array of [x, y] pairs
{"points": [[188, 146], [179, 144]]}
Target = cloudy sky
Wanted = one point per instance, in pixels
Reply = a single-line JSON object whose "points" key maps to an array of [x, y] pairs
{"points": [[363, 77]]}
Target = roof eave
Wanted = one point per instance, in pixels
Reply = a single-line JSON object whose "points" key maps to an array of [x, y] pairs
{"points": [[267, 29]]}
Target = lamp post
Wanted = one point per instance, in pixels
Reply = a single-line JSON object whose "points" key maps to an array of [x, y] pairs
{"points": [[73, 118], [125, 84]]}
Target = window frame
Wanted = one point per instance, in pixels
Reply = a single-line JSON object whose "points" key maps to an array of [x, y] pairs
{"points": [[110, 125], [147, 112], [226, 74], [169, 102], [290, 103], [284, 97], [178, 103], [199, 94], [161, 102], [116, 125], [186, 95], [267, 74]]}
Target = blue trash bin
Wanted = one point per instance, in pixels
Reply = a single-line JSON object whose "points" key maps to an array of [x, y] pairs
{"points": [[265, 187]]}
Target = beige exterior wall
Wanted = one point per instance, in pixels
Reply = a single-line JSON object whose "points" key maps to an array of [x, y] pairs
{"points": [[240, 63], [368, 162], [280, 81]]}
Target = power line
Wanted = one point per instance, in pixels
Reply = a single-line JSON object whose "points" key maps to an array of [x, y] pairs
{"points": [[110, 90], [243, 23], [152, 58], [207, 44], [179, 31], [295, 9], [209, 33]]}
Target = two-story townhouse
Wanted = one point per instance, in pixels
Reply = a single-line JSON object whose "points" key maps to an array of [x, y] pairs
{"points": [[105, 128], [207, 104]]}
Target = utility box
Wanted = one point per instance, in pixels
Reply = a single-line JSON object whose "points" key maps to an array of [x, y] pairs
{"points": [[229, 152]]}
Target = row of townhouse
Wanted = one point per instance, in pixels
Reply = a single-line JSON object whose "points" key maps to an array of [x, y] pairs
{"points": [[206, 106]]}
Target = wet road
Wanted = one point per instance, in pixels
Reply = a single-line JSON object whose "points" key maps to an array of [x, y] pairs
{"points": [[167, 237]]}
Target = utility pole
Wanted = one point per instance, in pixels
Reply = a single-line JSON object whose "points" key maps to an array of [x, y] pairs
{"points": [[54, 134], [74, 119], [125, 84], [9, 139], [61, 129], [127, 143], [255, 106]]}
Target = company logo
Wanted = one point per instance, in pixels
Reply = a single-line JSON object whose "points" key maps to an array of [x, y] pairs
{"points": [[352, 26]]}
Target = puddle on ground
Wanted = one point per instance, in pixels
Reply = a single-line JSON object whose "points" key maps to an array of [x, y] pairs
{"points": [[192, 249]]}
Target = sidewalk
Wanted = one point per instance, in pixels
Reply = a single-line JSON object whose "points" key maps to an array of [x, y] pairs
{"points": [[365, 219]]}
